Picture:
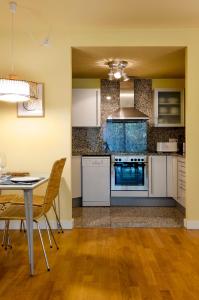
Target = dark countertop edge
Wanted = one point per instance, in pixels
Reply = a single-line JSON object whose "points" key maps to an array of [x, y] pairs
{"points": [[96, 154], [148, 153]]}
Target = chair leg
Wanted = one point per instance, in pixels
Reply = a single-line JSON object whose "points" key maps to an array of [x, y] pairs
{"points": [[42, 243], [4, 236], [51, 232], [7, 242], [23, 226], [55, 210], [50, 241], [58, 220]]}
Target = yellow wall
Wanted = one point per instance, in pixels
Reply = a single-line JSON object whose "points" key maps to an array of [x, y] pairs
{"points": [[37, 142], [33, 144], [81, 83], [168, 83]]}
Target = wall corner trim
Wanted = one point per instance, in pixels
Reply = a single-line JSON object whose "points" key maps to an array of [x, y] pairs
{"points": [[191, 224]]}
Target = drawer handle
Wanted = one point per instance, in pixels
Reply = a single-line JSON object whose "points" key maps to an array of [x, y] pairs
{"points": [[151, 177]]}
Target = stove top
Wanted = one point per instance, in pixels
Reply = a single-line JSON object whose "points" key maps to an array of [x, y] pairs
{"points": [[129, 158]]}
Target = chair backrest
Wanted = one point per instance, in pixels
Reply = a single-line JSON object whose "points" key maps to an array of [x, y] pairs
{"points": [[53, 184]]}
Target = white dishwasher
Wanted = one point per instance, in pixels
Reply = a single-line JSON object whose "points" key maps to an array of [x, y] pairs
{"points": [[96, 181]]}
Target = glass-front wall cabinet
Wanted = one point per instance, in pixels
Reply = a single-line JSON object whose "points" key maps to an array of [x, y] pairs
{"points": [[169, 107]]}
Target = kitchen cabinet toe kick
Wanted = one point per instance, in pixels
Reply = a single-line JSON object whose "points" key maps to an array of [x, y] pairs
{"points": [[131, 201]]}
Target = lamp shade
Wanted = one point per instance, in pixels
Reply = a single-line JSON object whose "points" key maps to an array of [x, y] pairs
{"points": [[14, 90]]}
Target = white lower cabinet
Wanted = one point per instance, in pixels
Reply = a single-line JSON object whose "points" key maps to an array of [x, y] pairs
{"points": [[96, 181], [181, 181], [157, 176], [76, 177], [167, 177], [163, 176], [172, 176]]}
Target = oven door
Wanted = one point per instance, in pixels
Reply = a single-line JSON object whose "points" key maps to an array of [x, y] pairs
{"points": [[129, 176]]}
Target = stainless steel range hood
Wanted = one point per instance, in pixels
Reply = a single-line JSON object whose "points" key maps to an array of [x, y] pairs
{"points": [[127, 110]]}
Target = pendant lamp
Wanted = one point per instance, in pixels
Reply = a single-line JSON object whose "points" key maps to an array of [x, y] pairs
{"points": [[12, 89]]}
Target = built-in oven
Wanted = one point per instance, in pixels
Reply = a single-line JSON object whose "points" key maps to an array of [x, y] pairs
{"points": [[129, 173]]}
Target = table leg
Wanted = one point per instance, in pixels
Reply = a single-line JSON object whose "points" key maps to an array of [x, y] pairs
{"points": [[29, 224]]}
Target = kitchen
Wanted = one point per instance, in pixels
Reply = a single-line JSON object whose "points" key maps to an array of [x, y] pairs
{"points": [[122, 175]]}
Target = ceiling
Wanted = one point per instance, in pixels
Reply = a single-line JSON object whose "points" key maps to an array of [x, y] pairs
{"points": [[67, 15], [144, 62], [38, 19]]}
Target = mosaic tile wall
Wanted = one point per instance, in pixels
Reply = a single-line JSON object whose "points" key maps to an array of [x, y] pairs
{"points": [[109, 88], [156, 134], [86, 140], [143, 97], [91, 140]]}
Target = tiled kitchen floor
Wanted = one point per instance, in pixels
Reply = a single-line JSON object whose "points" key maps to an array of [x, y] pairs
{"points": [[127, 217]]}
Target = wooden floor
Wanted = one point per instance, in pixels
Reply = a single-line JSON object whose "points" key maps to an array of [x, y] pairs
{"points": [[100, 264]]}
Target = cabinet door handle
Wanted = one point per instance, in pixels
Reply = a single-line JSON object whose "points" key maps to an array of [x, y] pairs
{"points": [[151, 176], [166, 179], [97, 108]]}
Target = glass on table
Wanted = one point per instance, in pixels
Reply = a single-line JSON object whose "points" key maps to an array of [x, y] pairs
{"points": [[3, 163]]}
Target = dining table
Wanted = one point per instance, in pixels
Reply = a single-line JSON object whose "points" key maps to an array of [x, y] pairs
{"points": [[27, 187]]}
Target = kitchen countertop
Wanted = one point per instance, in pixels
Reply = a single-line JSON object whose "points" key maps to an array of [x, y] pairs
{"points": [[167, 153]]}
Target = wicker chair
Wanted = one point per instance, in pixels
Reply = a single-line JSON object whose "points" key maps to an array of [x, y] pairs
{"points": [[4, 201], [16, 211], [38, 201]]}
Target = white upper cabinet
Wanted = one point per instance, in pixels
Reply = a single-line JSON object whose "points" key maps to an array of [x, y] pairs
{"points": [[168, 107], [157, 176], [86, 108]]}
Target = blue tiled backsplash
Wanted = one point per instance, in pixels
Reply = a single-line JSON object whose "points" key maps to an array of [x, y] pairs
{"points": [[129, 136]]}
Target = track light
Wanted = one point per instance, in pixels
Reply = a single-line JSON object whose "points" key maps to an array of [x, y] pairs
{"points": [[111, 75], [125, 77], [117, 74], [117, 70]]}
